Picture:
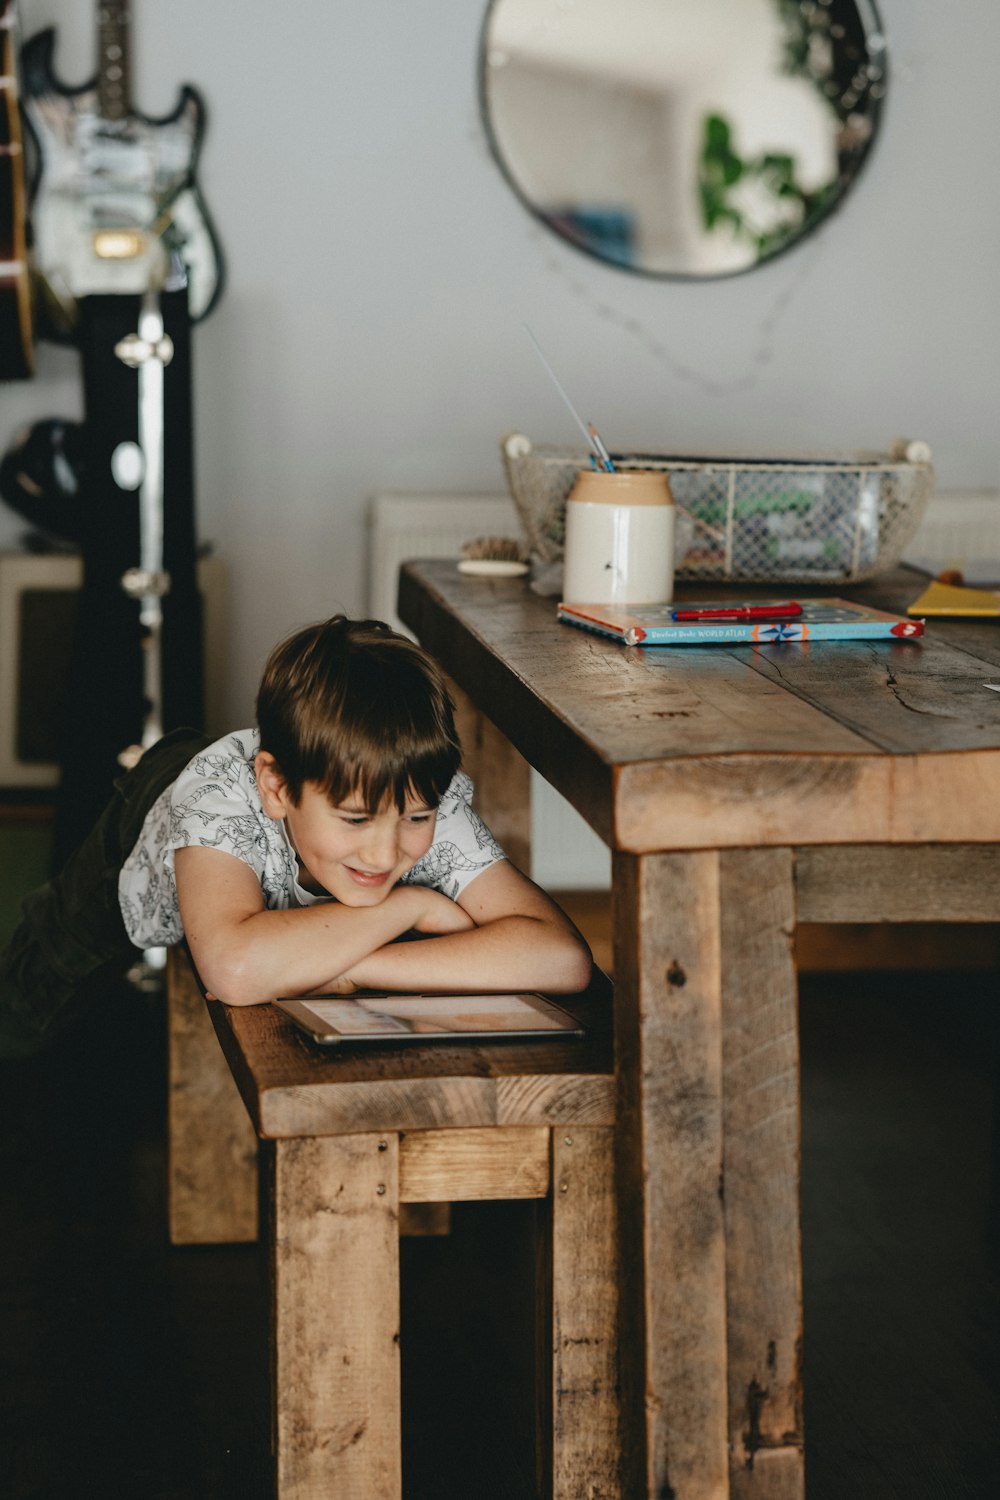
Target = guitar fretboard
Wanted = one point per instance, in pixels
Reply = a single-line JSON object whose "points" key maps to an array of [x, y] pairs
{"points": [[113, 91], [16, 355]]}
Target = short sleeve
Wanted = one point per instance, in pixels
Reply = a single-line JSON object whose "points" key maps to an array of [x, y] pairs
{"points": [[214, 804], [463, 846]]}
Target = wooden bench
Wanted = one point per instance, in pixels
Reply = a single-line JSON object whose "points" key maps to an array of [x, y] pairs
{"points": [[348, 1141]]}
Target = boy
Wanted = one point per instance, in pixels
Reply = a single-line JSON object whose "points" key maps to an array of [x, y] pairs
{"points": [[292, 858]]}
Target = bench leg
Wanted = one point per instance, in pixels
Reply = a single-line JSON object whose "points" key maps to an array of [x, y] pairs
{"points": [[211, 1144], [580, 1440], [334, 1245]]}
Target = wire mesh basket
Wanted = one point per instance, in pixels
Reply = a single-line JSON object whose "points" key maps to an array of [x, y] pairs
{"points": [[804, 520]]}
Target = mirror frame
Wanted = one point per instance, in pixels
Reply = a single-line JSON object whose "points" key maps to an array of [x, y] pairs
{"points": [[871, 24]]}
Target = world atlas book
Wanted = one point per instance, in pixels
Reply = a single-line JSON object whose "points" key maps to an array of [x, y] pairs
{"points": [[820, 620]]}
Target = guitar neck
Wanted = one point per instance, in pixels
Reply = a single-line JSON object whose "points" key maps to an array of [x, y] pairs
{"points": [[113, 80], [16, 355]]}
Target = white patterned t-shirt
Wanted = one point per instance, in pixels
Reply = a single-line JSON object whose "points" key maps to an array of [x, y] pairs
{"points": [[215, 803]]}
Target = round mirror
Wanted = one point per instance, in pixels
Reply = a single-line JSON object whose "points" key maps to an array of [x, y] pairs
{"points": [[682, 138]]}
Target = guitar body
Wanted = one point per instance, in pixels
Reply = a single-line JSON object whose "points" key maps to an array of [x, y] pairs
{"points": [[115, 204], [16, 352]]}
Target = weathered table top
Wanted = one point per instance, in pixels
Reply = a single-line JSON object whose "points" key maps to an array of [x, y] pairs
{"points": [[725, 746]]}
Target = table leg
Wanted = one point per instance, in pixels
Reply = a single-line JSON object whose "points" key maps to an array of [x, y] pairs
{"points": [[760, 1063], [211, 1144], [708, 1174], [668, 1022], [334, 1244], [502, 779]]}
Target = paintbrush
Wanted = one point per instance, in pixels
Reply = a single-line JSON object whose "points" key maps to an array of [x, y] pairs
{"points": [[588, 429]]}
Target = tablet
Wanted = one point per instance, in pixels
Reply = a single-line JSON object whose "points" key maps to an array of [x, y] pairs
{"points": [[333, 1020]]}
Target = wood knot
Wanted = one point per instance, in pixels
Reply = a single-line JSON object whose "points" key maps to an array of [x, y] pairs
{"points": [[676, 975]]}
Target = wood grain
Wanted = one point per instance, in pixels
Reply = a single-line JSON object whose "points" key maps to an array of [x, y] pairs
{"points": [[732, 801], [462, 1165], [211, 1145], [904, 696], [736, 801], [886, 883], [556, 1098], [760, 1186], [583, 1363], [335, 1318], [948, 798], [673, 1249]]}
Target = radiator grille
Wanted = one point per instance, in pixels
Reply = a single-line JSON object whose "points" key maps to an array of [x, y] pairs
{"points": [[960, 530], [412, 526]]}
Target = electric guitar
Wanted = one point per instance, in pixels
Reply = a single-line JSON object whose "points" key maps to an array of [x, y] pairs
{"points": [[16, 352], [115, 205]]}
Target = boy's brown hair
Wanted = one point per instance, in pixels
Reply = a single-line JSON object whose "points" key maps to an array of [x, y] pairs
{"points": [[360, 710]]}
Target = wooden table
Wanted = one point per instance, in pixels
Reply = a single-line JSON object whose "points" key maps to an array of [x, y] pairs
{"points": [[742, 790]]}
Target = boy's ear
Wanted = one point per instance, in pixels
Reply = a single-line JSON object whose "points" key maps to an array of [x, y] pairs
{"points": [[275, 797]]}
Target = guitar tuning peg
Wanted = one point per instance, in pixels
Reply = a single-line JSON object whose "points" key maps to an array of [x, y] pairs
{"points": [[133, 350], [139, 582]]}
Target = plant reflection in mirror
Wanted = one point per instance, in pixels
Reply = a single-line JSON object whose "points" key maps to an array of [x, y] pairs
{"points": [[758, 200]]}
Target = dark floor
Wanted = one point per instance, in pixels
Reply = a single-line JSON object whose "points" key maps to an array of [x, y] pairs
{"points": [[129, 1369]]}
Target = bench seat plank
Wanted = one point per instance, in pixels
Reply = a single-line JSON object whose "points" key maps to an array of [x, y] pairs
{"points": [[292, 1087]]}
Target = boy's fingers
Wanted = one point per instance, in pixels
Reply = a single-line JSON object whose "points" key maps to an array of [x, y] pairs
{"points": [[340, 986]]}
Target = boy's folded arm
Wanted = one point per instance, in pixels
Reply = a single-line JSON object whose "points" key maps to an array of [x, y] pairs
{"points": [[246, 954], [521, 940]]}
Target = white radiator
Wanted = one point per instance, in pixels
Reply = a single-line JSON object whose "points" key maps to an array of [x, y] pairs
{"points": [[408, 526], [958, 530], [566, 853]]}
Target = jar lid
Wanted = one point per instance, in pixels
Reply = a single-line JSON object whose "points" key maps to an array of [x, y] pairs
{"points": [[623, 487]]}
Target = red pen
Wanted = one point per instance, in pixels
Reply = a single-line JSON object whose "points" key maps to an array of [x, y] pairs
{"points": [[787, 611]]}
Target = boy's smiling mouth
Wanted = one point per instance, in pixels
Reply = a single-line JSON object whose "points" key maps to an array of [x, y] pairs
{"points": [[368, 877]]}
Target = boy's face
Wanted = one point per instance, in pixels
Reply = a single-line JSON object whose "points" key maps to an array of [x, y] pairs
{"points": [[355, 855]]}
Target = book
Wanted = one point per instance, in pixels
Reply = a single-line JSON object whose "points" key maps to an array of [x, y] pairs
{"points": [[954, 599], [820, 620]]}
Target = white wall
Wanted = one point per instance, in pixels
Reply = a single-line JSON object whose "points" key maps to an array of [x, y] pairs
{"points": [[380, 270]]}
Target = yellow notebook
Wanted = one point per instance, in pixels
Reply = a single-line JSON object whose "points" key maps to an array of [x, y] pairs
{"points": [[949, 599]]}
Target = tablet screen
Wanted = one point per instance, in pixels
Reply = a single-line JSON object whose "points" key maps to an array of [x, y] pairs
{"points": [[399, 1018]]}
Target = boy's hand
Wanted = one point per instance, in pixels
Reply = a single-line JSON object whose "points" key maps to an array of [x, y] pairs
{"points": [[426, 911], [339, 986]]}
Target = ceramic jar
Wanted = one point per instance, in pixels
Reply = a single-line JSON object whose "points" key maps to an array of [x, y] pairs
{"points": [[619, 538]]}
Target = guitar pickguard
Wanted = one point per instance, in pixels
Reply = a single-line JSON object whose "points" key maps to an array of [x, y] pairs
{"points": [[115, 201]]}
